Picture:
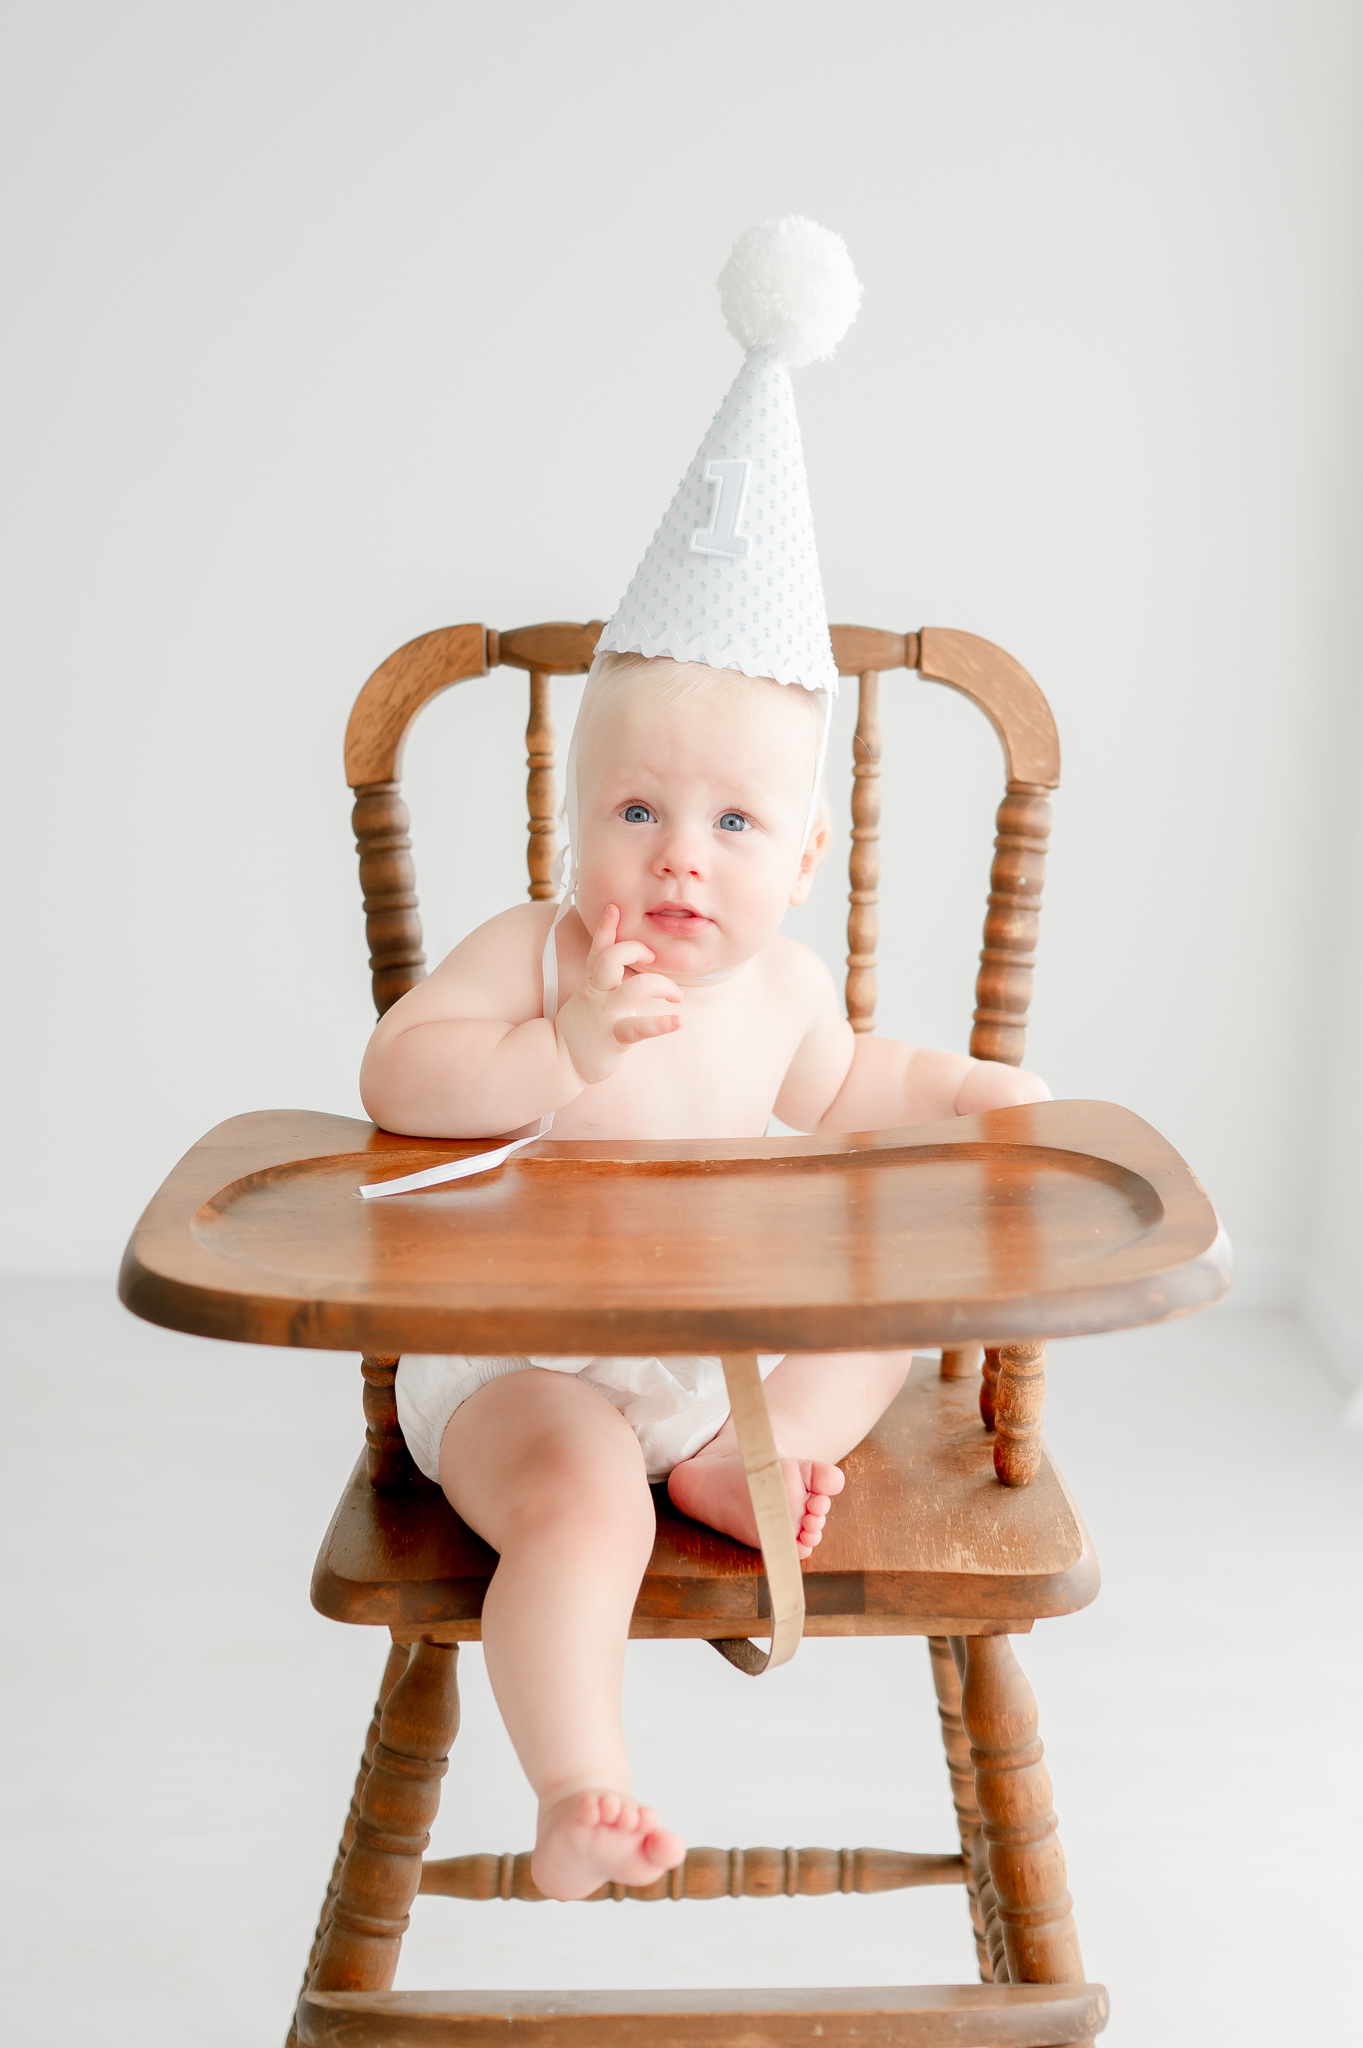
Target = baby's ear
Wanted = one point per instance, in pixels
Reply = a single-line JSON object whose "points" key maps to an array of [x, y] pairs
{"points": [[816, 846]]}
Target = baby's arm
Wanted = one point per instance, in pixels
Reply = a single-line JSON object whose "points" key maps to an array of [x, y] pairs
{"points": [[468, 1053], [841, 1080]]}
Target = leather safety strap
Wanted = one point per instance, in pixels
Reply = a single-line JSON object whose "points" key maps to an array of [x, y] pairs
{"points": [[771, 1507]]}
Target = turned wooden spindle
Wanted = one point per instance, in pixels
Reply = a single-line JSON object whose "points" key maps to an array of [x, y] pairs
{"points": [[989, 1913], [960, 1361], [989, 1382], [947, 1683], [1019, 1398], [1003, 986], [710, 1874], [391, 1469], [541, 796], [398, 1655], [1013, 1792], [863, 922], [388, 880], [398, 1802]]}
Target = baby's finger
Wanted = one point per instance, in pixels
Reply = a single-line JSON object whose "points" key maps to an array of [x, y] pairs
{"points": [[608, 969], [641, 988], [631, 1030], [604, 934]]}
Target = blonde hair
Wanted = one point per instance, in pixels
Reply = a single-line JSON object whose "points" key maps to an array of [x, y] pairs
{"points": [[670, 682]]}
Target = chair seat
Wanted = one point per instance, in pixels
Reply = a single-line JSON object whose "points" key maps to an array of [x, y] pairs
{"points": [[925, 1541], [912, 2016]]}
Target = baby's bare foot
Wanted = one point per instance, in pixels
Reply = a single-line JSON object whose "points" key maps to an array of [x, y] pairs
{"points": [[591, 1838], [714, 1490]]}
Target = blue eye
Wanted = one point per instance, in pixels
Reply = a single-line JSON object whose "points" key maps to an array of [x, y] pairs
{"points": [[734, 821], [637, 814]]}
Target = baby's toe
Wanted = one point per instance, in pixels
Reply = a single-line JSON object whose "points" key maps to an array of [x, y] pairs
{"points": [[608, 1804], [824, 1478], [663, 1849]]}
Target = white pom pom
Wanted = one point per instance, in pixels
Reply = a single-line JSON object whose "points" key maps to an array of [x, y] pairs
{"points": [[789, 286]]}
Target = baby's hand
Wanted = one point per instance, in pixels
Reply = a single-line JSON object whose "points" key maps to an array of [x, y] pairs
{"points": [[614, 1008], [989, 1084]]}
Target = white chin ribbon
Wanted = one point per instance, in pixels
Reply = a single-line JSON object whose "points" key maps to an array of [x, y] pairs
{"points": [[564, 876]]}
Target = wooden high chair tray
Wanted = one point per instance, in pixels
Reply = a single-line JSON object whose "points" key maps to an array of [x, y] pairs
{"points": [[1051, 1220]]}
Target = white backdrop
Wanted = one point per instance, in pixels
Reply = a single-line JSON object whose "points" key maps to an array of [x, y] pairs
{"points": [[332, 323]]}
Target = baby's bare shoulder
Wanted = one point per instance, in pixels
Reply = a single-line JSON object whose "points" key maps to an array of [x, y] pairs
{"points": [[798, 974], [494, 972]]}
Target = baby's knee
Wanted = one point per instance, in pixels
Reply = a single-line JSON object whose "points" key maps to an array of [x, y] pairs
{"points": [[606, 1506]]}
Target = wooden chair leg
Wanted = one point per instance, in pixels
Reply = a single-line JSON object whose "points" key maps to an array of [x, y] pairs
{"points": [[960, 1361], [989, 1912], [398, 1802], [398, 1656], [947, 1682], [1013, 1790], [989, 1384]]}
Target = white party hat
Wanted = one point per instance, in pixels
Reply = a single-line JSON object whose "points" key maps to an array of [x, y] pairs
{"points": [[731, 577]]}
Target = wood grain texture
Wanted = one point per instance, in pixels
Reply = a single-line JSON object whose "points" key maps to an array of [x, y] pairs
{"points": [[398, 689], [863, 923], [923, 1531], [1047, 1220], [1013, 1793], [1018, 1400], [1003, 985], [947, 1685], [541, 794], [398, 1802], [859, 648], [762, 1873], [908, 2016], [1006, 694], [559, 648], [388, 885]]}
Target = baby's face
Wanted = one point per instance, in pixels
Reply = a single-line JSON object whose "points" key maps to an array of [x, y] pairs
{"points": [[690, 817]]}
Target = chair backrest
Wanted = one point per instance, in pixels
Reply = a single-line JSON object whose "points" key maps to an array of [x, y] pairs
{"points": [[390, 701]]}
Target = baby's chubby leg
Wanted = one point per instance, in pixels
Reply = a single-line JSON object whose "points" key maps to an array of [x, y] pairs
{"points": [[553, 1478], [821, 1403]]}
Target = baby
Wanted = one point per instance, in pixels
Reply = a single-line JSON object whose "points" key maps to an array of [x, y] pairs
{"points": [[682, 1013]]}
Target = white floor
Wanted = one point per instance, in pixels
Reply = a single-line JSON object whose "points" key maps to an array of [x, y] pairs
{"points": [[181, 1730]]}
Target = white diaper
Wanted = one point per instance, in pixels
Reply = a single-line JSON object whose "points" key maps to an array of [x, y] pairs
{"points": [[673, 1405]]}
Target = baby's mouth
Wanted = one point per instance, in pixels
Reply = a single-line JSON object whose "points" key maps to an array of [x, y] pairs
{"points": [[678, 920]]}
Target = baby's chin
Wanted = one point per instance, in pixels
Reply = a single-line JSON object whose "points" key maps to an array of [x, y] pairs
{"points": [[692, 962]]}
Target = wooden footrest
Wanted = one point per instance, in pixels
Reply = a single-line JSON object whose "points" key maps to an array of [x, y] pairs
{"points": [[910, 2016], [709, 1874]]}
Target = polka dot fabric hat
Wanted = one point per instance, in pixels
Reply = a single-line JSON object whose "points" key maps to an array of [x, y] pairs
{"points": [[731, 577]]}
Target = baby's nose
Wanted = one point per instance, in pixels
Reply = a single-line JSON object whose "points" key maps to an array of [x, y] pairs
{"points": [[682, 853]]}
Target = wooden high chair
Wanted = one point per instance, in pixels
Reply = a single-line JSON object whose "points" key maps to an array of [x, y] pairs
{"points": [[1029, 1935], [955, 1525]]}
